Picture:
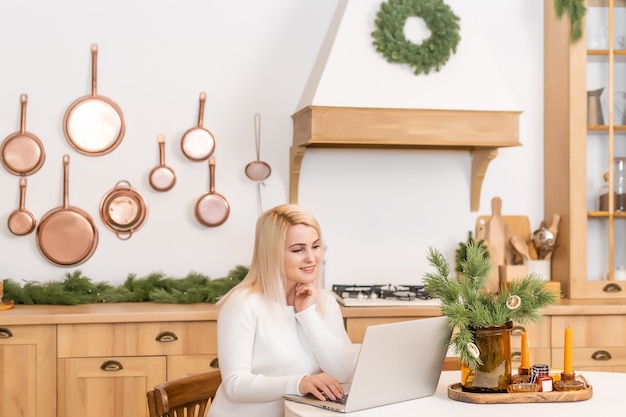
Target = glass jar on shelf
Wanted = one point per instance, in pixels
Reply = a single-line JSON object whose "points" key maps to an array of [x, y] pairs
{"points": [[619, 180]]}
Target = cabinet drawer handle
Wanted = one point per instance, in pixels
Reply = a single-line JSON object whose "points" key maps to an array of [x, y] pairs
{"points": [[5, 333], [517, 330], [612, 287], [111, 366], [601, 355], [166, 337], [516, 356], [215, 363]]}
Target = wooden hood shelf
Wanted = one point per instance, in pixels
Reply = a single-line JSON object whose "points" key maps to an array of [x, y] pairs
{"points": [[480, 132]]}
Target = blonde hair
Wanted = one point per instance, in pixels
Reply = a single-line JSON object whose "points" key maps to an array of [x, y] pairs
{"points": [[266, 275]]}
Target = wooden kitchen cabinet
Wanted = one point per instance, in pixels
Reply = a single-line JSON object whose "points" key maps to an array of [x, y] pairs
{"points": [[105, 369], [539, 341], [599, 342], [579, 148], [99, 360], [109, 386], [28, 370]]}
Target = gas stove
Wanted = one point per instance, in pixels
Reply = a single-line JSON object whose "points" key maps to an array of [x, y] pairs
{"points": [[382, 295]]}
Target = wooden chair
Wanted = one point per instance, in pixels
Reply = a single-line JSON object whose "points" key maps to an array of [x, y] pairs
{"points": [[189, 396]]}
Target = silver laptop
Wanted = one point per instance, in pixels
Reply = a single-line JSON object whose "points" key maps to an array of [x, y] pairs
{"points": [[397, 362]]}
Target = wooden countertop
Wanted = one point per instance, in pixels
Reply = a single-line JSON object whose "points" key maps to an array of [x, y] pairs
{"points": [[107, 313], [565, 307], [156, 312]]}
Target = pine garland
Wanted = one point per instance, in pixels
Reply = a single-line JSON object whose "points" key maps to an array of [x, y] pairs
{"points": [[467, 305], [433, 52], [576, 10], [157, 287]]}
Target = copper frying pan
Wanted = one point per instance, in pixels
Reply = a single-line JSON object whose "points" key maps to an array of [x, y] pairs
{"points": [[93, 124], [22, 152], [212, 209], [66, 235], [21, 221], [162, 177], [198, 143]]}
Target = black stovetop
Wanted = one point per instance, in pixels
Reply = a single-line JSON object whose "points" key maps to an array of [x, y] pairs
{"points": [[386, 291]]}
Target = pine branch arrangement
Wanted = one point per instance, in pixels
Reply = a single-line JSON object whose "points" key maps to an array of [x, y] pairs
{"points": [[157, 287], [468, 306]]}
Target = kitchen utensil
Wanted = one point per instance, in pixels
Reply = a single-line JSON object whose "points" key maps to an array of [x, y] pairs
{"points": [[66, 235], [198, 143], [258, 170], [94, 124], [594, 108], [543, 240], [554, 229], [123, 210], [162, 177], [497, 233], [212, 209], [22, 152], [520, 246], [519, 225], [21, 221]]}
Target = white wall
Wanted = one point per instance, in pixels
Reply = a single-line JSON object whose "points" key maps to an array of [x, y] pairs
{"points": [[380, 210]]}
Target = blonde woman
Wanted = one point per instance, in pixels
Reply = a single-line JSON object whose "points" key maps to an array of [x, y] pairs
{"points": [[277, 332]]}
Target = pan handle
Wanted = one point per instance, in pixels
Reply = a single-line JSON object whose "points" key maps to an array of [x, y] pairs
{"points": [[94, 69], [212, 175], [124, 235], [201, 109], [66, 174], [23, 102]]}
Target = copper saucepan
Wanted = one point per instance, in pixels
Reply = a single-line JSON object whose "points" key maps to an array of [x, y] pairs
{"points": [[93, 124], [162, 177], [123, 210], [21, 221], [198, 143], [212, 209], [22, 152], [67, 236]]}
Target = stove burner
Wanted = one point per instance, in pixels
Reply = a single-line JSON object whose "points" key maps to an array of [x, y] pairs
{"points": [[388, 291]]}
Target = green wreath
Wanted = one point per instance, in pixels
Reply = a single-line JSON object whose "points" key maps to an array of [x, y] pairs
{"points": [[433, 52]]}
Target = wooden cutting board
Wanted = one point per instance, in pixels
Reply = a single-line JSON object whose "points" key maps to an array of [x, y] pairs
{"points": [[518, 225]]}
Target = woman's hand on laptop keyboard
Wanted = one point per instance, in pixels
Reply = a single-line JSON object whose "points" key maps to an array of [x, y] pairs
{"points": [[322, 386]]}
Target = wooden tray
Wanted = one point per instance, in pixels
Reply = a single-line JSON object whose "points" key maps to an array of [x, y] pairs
{"points": [[456, 393], [6, 305]]}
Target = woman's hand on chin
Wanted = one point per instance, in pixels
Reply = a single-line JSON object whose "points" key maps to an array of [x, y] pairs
{"points": [[305, 296]]}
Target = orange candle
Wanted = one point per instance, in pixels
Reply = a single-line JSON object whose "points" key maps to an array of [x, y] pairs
{"points": [[525, 351], [567, 357]]}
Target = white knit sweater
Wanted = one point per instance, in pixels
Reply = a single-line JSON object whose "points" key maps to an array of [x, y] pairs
{"points": [[264, 352]]}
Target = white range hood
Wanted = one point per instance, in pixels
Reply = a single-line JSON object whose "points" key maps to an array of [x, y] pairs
{"points": [[355, 98]]}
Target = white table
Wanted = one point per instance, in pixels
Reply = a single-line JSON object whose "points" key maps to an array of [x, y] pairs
{"points": [[609, 399]]}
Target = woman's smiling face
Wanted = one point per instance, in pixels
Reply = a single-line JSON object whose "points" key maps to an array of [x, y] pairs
{"points": [[303, 254]]}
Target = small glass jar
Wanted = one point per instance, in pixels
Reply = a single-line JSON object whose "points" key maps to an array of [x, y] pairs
{"points": [[619, 180], [522, 376], [540, 375]]}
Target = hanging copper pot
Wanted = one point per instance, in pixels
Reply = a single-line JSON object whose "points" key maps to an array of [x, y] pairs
{"points": [[162, 177], [22, 152], [211, 208], [198, 143], [123, 210], [94, 124], [66, 235], [22, 221]]}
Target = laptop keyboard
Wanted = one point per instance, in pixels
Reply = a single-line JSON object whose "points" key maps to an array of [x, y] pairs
{"points": [[341, 400]]}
